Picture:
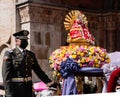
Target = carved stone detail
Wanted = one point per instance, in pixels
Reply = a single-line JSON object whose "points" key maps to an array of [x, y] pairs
{"points": [[24, 14], [46, 15]]}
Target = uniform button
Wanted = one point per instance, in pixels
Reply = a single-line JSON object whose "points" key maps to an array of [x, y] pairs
{"points": [[26, 75], [26, 64], [26, 69]]}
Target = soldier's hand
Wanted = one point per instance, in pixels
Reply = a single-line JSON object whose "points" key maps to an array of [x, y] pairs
{"points": [[52, 85]]}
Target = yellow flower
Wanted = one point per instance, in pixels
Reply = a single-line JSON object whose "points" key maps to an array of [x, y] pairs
{"points": [[58, 74], [108, 60], [82, 60], [102, 59], [97, 65], [96, 60], [78, 53], [82, 54], [61, 55], [90, 57], [92, 52], [64, 51], [73, 56], [85, 47], [54, 72], [103, 54]]}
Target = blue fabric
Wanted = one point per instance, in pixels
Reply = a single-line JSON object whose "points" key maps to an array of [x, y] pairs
{"points": [[69, 87], [69, 67], [90, 69]]}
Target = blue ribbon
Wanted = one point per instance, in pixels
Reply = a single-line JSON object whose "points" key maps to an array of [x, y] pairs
{"points": [[69, 67]]}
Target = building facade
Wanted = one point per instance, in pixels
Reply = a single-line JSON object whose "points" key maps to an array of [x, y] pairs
{"points": [[44, 19]]}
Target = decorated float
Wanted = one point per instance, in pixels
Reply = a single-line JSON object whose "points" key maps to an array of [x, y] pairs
{"points": [[81, 57]]}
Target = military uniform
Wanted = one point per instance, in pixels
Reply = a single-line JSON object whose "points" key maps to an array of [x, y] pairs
{"points": [[17, 72]]}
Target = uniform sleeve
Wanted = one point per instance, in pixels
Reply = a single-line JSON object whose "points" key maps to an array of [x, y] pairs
{"points": [[7, 72], [39, 72]]}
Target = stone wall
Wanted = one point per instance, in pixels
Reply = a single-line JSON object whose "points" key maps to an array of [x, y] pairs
{"points": [[105, 27], [7, 27]]}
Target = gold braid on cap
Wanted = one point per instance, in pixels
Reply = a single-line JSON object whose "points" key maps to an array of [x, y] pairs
{"points": [[72, 16]]}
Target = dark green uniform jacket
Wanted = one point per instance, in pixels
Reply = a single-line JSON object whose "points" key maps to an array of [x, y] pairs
{"points": [[17, 73]]}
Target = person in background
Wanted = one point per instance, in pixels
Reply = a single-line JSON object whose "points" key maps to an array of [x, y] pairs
{"points": [[117, 88], [113, 81], [18, 64]]}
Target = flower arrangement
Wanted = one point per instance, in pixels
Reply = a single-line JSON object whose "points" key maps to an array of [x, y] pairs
{"points": [[85, 56]]}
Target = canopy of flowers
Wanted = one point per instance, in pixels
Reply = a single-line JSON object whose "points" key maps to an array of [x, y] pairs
{"points": [[85, 56]]}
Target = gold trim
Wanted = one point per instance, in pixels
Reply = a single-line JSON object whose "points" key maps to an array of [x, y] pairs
{"points": [[21, 79]]}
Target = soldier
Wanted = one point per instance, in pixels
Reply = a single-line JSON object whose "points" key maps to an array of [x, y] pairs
{"points": [[17, 66]]}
